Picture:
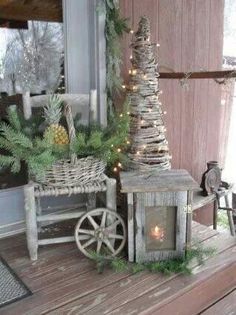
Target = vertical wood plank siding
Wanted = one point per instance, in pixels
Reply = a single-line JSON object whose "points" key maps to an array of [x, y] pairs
{"points": [[190, 33]]}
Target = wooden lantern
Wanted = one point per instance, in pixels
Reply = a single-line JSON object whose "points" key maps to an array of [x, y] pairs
{"points": [[159, 213]]}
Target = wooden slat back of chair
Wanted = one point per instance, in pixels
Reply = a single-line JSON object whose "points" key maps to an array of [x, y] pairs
{"points": [[80, 103]]}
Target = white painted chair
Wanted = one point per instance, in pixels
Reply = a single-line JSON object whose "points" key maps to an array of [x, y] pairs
{"points": [[85, 104]]}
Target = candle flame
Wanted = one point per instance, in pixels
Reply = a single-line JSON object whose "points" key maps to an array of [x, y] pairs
{"points": [[157, 233]]}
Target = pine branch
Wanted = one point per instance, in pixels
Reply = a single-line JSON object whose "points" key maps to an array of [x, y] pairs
{"points": [[14, 136], [169, 266], [13, 118], [107, 144], [16, 166], [5, 144], [37, 165], [34, 126], [95, 140], [6, 161], [115, 28], [37, 154]]}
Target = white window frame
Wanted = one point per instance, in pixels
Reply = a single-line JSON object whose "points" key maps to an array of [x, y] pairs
{"points": [[85, 51]]}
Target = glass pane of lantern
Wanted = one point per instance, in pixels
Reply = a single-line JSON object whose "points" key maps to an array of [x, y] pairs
{"points": [[160, 228]]}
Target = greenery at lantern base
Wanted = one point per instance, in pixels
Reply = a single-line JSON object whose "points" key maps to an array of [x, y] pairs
{"points": [[183, 265]]}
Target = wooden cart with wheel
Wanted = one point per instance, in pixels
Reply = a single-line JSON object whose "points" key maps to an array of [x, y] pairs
{"points": [[101, 227]]}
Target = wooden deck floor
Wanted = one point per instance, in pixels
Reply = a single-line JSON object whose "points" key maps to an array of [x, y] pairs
{"points": [[65, 282]]}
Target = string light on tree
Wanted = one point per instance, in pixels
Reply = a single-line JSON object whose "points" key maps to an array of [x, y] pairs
{"points": [[148, 146]]}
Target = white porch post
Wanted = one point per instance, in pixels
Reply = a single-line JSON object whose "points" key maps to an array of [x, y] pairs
{"points": [[85, 51], [101, 65]]}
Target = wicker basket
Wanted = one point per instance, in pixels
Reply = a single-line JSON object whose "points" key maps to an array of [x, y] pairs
{"points": [[83, 171], [73, 172]]}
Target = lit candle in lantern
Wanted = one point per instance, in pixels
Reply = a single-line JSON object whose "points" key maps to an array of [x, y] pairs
{"points": [[157, 233]]}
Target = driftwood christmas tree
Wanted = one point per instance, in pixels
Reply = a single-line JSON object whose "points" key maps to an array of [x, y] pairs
{"points": [[149, 147]]}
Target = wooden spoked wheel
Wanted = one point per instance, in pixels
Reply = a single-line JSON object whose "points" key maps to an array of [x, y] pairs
{"points": [[100, 230]]}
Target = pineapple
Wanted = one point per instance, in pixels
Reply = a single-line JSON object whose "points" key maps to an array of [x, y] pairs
{"points": [[52, 114]]}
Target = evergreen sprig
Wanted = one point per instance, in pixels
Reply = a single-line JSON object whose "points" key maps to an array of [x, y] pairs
{"points": [[18, 148], [39, 152], [13, 117], [108, 143], [115, 27], [170, 266], [31, 127]]}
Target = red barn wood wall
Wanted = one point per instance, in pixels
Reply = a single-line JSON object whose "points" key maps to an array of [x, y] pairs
{"points": [[190, 34]]}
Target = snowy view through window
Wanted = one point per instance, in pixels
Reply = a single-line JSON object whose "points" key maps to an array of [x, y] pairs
{"points": [[31, 60]]}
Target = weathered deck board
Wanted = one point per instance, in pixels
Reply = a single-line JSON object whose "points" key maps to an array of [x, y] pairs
{"points": [[210, 282], [159, 287], [122, 292], [65, 282], [227, 305]]}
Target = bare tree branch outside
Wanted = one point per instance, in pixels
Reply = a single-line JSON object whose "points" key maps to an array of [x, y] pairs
{"points": [[33, 58]]}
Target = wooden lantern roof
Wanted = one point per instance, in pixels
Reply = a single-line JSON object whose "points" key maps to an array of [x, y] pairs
{"points": [[25, 10]]}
